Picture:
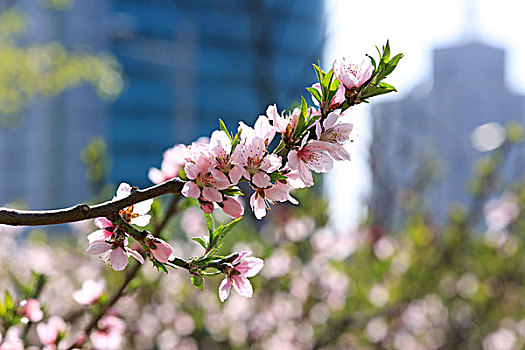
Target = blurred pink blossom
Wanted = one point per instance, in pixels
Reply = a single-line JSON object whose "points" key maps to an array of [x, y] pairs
{"points": [[109, 333], [89, 293], [49, 332], [31, 310]]}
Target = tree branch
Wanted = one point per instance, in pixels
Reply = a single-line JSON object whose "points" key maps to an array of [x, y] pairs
{"points": [[83, 211]]}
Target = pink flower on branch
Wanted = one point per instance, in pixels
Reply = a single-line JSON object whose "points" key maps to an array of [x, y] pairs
{"points": [[117, 252], [242, 268], [353, 75], [263, 198], [311, 156], [137, 213], [161, 250], [334, 135]]}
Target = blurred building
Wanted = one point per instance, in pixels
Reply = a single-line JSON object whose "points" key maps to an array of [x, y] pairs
{"points": [[413, 135], [186, 63], [190, 62]]}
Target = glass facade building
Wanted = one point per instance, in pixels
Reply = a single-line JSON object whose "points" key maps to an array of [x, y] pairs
{"points": [[188, 63]]}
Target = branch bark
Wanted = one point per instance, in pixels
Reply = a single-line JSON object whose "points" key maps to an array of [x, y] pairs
{"points": [[83, 211]]}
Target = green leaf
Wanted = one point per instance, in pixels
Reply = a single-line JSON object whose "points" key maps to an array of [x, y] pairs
{"points": [[232, 191], [372, 90], [236, 140], [373, 61], [387, 86], [160, 266], [197, 281], [320, 74], [210, 222], [386, 52], [392, 64], [327, 82], [9, 302], [201, 241], [225, 129], [315, 93], [301, 121], [173, 266], [224, 230]]}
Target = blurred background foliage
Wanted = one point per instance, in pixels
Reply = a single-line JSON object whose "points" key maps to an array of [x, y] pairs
{"points": [[30, 70]]}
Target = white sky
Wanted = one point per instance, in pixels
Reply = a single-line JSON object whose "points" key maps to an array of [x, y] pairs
{"points": [[413, 27]]}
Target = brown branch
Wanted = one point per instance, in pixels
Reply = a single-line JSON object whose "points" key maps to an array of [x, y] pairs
{"points": [[83, 211]]}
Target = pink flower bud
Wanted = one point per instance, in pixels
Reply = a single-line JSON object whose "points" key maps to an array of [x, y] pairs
{"points": [[31, 310], [232, 207], [163, 250]]}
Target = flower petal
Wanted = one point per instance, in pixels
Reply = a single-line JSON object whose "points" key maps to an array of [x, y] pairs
{"points": [[98, 247], [242, 286], [136, 255], [123, 191], [118, 259], [142, 220], [190, 189], [142, 207], [224, 289]]}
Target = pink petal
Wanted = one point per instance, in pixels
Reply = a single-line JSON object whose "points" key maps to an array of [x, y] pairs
{"points": [[258, 205], [190, 189], [136, 255], [142, 207], [98, 247], [224, 289], [232, 207], [241, 256], [261, 180], [123, 191], [242, 286], [211, 194], [119, 259], [156, 176], [250, 266], [235, 174], [163, 251], [142, 220], [103, 222], [98, 235]]}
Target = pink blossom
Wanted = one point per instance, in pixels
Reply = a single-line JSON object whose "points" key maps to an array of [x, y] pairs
{"points": [[173, 161], [109, 333], [31, 310], [311, 156], [12, 340], [49, 332], [282, 123], [262, 129], [263, 198], [160, 249], [242, 268], [205, 181], [256, 162], [89, 293], [334, 135], [106, 230], [232, 207], [338, 98], [137, 213], [352, 75], [118, 253]]}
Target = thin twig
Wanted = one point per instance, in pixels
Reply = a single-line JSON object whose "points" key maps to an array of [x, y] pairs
{"points": [[83, 211]]}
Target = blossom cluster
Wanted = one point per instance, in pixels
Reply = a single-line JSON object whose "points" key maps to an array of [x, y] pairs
{"points": [[112, 240], [311, 139]]}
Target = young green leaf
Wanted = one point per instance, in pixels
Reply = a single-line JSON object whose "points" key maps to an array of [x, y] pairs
{"points": [[197, 281], [160, 266], [210, 223], [225, 129], [315, 93], [201, 241]]}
